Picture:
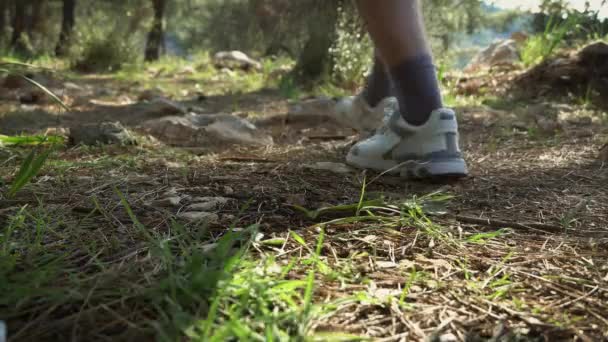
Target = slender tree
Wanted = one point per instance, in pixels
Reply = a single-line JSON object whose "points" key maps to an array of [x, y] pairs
{"points": [[19, 25], [67, 27], [3, 10], [315, 58], [156, 36], [35, 17]]}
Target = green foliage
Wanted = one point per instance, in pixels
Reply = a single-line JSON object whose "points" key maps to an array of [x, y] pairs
{"points": [[30, 140], [30, 167], [352, 51], [21, 244], [104, 53], [540, 47]]}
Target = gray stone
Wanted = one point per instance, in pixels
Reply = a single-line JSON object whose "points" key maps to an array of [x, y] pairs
{"points": [[173, 201], [504, 52], [199, 217], [102, 133], [72, 86], [206, 130], [235, 60], [207, 203]]}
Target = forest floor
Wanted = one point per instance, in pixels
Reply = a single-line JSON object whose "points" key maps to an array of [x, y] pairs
{"points": [[96, 247]]}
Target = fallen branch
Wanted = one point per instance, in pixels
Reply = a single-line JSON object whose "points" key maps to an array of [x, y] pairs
{"points": [[327, 137], [508, 224], [247, 160]]}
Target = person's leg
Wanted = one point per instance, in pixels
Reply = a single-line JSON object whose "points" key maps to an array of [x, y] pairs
{"points": [[397, 29], [378, 84], [418, 138]]}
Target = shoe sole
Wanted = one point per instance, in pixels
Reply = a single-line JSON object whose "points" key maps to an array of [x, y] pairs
{"points": [[433, 169]]}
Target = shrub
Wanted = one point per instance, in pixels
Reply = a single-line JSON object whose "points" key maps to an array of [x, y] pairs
{"points": [[109, 53], [352, 52], [541, 46]]}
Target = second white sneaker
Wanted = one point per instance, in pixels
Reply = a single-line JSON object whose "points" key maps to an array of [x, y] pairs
{"points": [[354, 112], [426, 151]]}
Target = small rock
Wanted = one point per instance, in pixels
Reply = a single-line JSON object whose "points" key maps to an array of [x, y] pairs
{"points": [[188, 70], [228, 190], [72, 86], [235, 60], [199, 216], [208, 130], [503, 52], [329, 166], [103, 133], [208, 203], [167, 202]]}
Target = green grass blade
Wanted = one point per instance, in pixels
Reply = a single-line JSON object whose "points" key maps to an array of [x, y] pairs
{"points": [[31, 140], [136, 223], [361, 197], [299, 239], [310, 287], [47, 91], [29, 169]]}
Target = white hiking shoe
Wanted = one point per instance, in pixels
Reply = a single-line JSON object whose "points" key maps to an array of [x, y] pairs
{"points": [[426, 151], [354, 112]]}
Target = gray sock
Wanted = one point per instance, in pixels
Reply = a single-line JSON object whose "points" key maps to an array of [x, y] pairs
{"points": [[378, 85], [416, 88]]}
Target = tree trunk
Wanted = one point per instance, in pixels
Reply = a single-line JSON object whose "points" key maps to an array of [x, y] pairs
{"points": [[3, 10], [35, 21], [19, 27], [315, 59], [156, 36], [67, 27]]}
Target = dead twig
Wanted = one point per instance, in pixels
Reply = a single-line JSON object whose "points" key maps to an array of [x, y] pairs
{"points": [[509, 224], [247, 160]]}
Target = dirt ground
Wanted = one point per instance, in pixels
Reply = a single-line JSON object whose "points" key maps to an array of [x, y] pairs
{"points": [[520, 251]]}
